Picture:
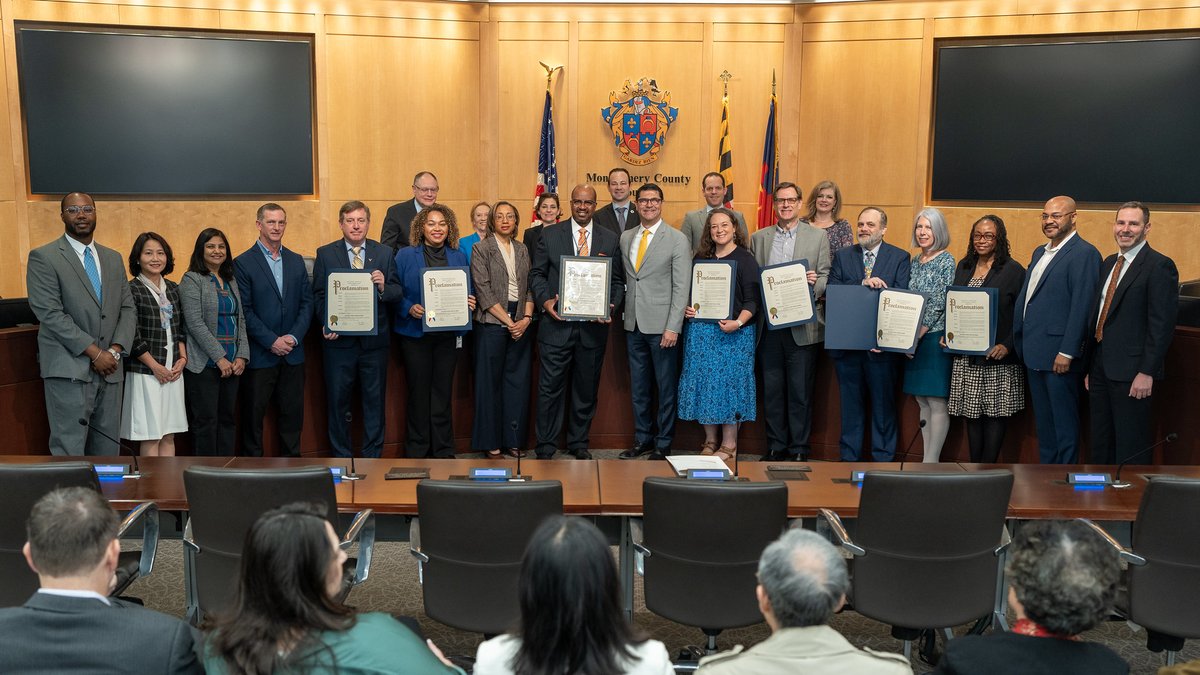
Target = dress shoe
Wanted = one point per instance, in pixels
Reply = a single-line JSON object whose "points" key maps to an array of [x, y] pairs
{"points": [[542, 454], [776, 457], [582, 454], [657, 455], [637, 450]]}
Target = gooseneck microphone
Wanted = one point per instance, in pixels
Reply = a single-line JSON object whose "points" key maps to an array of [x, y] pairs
{"points": [[1170, 438], [920, 428], [513, 425], [137, 471], [353, 475]]}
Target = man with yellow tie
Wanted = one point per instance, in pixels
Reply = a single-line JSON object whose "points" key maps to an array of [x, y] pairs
{"points": [[658, 263]]}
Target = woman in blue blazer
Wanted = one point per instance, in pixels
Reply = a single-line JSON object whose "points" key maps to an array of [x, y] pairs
{"points": [[429, 357]]}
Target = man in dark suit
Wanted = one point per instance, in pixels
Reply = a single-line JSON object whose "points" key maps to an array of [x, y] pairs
{"points": [[877, 264], [618, 215], [399, 217], [277, 304], [571, 352], [1050, 328], [1134, 321], [70, 625], [79, 293], [356, 359]]}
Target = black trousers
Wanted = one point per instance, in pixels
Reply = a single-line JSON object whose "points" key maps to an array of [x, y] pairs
{"points": [[211, 406], [1120, 423], [575, 365], [789, 377], [502, 379], [283, 384], [429, 368]]}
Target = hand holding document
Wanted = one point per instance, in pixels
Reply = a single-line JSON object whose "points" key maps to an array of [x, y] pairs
{"points": [[583, 287], [787, 296], [712, 289], [350, 303], [444, 292], [970, 319]]}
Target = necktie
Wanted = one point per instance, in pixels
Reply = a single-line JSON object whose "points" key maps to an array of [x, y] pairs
{"points": [[1108, 296], [637, 264], [583, 247], [356, 262], [621, 215], [868, 262], [93, 272]]}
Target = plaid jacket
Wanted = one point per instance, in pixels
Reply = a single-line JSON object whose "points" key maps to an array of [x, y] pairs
{"points": [[150, 336]]}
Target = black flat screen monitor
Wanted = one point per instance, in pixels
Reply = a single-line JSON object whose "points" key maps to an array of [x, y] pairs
{"points": [[166, 113]]}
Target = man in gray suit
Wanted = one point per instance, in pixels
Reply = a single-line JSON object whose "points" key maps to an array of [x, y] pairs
{"points": [[658, 265], [80, 295], [789, 355], [70, 625], [714, 196]]}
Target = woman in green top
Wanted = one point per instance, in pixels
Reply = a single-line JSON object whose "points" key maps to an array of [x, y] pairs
{"points": [[285, 618]]}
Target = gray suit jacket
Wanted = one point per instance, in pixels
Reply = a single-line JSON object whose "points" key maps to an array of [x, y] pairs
{"points": [[656, 294], [59, 634], [71, 317], [490, 276], [812, 245], [200, 316], [693, 226]]}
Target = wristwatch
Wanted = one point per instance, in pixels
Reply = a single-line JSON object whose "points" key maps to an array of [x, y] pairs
{"points": [[116, 354]]}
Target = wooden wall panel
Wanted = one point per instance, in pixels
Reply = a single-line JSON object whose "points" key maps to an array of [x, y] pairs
{"points": [[12, 257], [521, 93], [40, 10]]}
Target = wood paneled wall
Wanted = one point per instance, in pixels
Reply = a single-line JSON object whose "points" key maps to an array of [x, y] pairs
{"points": [[456, 88]]}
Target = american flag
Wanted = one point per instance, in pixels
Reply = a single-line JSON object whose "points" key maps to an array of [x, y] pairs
{"points": [[547, 168]]}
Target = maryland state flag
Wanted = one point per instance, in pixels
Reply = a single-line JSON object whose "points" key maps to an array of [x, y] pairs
{"points": [[769, 174], [725, 154], [547, 169]]}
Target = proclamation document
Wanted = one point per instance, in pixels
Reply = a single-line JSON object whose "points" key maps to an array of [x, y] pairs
{"points": [[970, 319], [350, 303], [444, 292], [787, 297], [583, 284], [712, 289], [898, 320]]}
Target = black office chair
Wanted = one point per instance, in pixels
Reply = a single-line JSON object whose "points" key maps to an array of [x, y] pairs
{"points": [[927, 549], [21, 485], [468, 539], [224, 503], [699, 543], [1163, 580]]}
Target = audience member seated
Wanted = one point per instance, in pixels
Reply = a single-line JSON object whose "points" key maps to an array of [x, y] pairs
{"points": [[802, 583], [571, 619], [285, 618], [70, 625], [1062, 578]]}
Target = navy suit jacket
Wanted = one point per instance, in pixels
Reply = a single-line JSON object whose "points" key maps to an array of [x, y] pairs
{"points": [[268, 314], [554, 243], [1141, 318], [397, 224], [891, 264], [333, 256], [1055, 319], [606, 217], [409, 263], [53, 633]]}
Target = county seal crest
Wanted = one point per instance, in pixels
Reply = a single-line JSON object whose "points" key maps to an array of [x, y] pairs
{"points": [[639, 116]]}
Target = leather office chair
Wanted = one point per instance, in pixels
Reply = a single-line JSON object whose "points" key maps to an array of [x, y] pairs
{"points": [[224, 503], [469, 538], [1163, 579], [927, 548], [699, 543], [21, 485]]}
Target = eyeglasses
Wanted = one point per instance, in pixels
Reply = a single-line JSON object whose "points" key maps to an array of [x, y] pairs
{"points": [[76, 210], [1055, 216], [583, 202], [649, 201], [983, 236], [426, 190], [787, 201]]}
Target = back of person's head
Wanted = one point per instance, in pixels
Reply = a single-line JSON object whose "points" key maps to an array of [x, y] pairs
{"points": [[1064, 574], [804, 578], [70, 531], [571, 619], [282, 600]]}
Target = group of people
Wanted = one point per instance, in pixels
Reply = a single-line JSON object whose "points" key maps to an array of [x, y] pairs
{"points": [[287, 616], [244, 319]]}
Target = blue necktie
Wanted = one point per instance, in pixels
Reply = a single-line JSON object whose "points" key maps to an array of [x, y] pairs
{"points": [[93, 272]]}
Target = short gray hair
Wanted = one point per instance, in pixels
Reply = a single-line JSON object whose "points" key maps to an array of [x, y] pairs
{"points": [[69, 531], [1064, 574], [941, 233], [804, 578]]}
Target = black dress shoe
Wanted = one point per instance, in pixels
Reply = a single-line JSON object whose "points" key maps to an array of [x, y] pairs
{"points": [[637, 450], [656, 455], [582, 454], [545, 455]]}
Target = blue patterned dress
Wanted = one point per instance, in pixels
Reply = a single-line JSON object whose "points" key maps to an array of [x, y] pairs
{"points": [[928, 372]]}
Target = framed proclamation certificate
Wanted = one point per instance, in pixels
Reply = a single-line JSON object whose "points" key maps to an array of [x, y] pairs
{"points": [[898, 320], [712, 289], [444, 292], [583, 284], [971, 320], [350, 302], [787, 297]]}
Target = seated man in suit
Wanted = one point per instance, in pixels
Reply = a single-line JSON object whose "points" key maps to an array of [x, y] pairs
{"points": [[875, 263], [802, 583], [658, 265], [714, 196], [277, 304], [618, 215], [71, 625], [400, 216], [1134, 321]]}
